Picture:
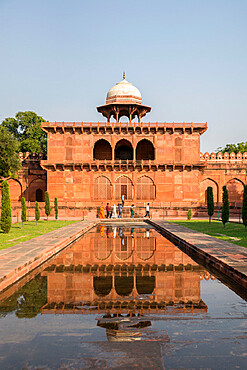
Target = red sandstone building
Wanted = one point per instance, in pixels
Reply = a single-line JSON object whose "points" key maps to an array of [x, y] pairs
{"points": [[90, 163]]}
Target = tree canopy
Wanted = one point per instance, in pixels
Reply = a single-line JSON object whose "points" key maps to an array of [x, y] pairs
{"points": [[9, 160], [233, 148], [25, 127]]}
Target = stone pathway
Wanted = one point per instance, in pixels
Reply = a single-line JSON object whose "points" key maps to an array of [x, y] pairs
{"points": [[229, 259], [19, 260]]}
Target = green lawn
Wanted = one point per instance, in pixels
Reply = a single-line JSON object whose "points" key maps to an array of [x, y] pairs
{"points": [[233, 233], [18, 234]]}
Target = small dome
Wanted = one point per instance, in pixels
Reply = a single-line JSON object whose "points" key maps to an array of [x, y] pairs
{"points": [[124, 92]]}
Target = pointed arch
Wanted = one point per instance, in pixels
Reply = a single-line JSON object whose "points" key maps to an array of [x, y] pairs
{"points": [[102, 188], [145, 188], [235, 189], [102, 150], [15, 189], [36, 190], [124, 150], [203, 190], [145, 150], [124, 186]]}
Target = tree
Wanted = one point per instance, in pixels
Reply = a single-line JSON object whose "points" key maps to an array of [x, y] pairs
{"points": [[9, 160], [244, 207], [37, 212], [56, 208], [189, 214], [225, 206], [26, 128], [23, 210], [47, 204], [233, 148], [6, 216], [210, 202]]}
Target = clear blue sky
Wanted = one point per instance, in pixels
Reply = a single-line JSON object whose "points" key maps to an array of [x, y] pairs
{"points": [[187, 57]]}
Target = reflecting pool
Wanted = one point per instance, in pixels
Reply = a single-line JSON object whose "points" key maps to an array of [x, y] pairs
{"points": [[122, 298]]}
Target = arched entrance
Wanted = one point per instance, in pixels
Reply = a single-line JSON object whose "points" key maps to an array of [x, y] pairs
{"points": [[124, 187], [102, 150], [145, 188], [102, 188], [145, 150], [203, 190], [235, 189], [123, 150], [39, 195]]}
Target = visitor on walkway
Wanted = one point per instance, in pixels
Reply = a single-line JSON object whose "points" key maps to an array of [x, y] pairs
{"points": [[114, 211], [101, 213], [122, 198], [107, 210], [132, 211], [120, 210], [147, 211]]}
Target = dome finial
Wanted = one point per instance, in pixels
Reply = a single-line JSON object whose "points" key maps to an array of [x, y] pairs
{"points": [[124, 76]]}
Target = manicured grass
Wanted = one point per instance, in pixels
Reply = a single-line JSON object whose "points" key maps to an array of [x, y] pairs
{"points": [[18, 234], [233, 233]]}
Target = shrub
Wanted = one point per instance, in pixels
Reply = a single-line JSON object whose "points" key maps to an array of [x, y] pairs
{"points": [[189, 214], [244, 207], [23, 210], [6, 215], [56, 208], [210, 202], [47, 204], [225, 207], [37, 212]]}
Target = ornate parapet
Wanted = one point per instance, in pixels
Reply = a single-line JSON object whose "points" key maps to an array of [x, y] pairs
{"points": [[226, 157], [124, 127]]}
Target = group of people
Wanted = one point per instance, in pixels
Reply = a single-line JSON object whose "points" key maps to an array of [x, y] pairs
{"points": [[117, 211]]}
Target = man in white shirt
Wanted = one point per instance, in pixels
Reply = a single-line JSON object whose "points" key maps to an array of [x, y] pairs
{"points": [[147, 211]]}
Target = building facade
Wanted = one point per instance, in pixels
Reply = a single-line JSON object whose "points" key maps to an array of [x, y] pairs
{"points": [[91, 163]]}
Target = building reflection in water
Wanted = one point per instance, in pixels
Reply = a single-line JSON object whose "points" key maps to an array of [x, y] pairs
{"points": [[123, 274]]}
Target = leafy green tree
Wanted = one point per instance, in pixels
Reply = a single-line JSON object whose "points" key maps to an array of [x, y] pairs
{"points": [[47, 204], [244, 207], [189, 214], [210, 202], [9, 160], [23, 210], [235, 148], [6, 215], [225, 206], [27, 130], [56, 208], [37, 212]]}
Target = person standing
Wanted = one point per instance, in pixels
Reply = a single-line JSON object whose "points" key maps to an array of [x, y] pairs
{"points": [[114, 212], [120, 210], [147, 211], [107, 210], [132, 211], [122, 198]]}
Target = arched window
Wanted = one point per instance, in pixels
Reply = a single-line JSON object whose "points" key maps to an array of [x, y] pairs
{"points": [[145, 284], [124, 187], [102, 285], [124, 285], [123, 150], [145, 189], [145, 150], [102, 150], [39, 195], [69, 141], [102, 188]]}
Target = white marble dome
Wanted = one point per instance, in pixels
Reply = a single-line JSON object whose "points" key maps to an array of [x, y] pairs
{"points": [[124, 92]]}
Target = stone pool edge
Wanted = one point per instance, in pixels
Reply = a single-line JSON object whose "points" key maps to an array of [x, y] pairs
{"points": [[201, 256], [18, 272]]}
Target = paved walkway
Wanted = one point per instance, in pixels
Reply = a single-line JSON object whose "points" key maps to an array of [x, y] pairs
{"points": [[229, 259], [17, 261]]}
